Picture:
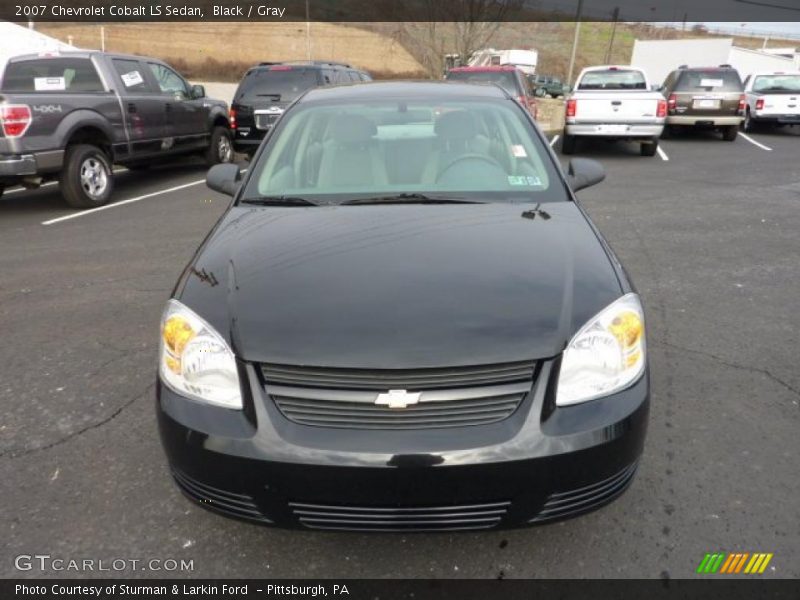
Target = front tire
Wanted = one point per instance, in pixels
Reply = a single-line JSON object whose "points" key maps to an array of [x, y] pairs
{"points": [[86, 180], [730, 132], [220, 149], [649, 148], [568, 144]]}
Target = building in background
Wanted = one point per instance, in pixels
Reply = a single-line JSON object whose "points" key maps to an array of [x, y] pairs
{"points": [[660, 57], [16, 39]]}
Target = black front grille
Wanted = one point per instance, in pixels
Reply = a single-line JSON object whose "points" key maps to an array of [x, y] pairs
{"points": [[433, 518], [228, 503], [574, 502], [346, 398], [407, 379]]}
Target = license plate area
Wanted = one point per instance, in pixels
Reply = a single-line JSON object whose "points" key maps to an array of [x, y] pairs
{"points": [[706, 103], [614, 129]]}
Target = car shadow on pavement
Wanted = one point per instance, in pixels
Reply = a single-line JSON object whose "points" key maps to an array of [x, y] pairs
{"points": [[604, 148]]}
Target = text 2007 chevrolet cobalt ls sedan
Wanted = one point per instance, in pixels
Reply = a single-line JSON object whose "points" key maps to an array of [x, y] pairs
{"points": [[404, 321]]}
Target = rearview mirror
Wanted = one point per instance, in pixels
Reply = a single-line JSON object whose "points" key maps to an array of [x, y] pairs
{"points": [[224, 178], [198, 91], [584, 172]]}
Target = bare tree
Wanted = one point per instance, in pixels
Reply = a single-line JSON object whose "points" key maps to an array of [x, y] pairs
{"points": [[454, 26]]}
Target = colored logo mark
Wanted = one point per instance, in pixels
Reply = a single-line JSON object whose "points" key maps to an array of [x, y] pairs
{"points": [[734, 563]]}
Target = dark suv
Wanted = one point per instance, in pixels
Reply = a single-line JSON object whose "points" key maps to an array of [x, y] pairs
{"points": [[267, 89], [704, 97]]}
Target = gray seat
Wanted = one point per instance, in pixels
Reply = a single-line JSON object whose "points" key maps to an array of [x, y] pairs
{"points": [[351, 156], [457, 136]]}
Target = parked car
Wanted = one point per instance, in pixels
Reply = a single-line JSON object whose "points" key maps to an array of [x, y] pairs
{"points": [[509, 77], [614, 102], [417, 327], [772, 99], [70, 116], [704, 98], [547, 85], [267, 89]]}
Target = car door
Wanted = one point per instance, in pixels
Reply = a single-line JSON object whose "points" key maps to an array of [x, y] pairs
{"points": [[143, 110], [187, 118]]}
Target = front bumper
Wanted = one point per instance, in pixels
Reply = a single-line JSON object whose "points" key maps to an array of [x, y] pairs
{"points": [[541, 464], [639, 130]]}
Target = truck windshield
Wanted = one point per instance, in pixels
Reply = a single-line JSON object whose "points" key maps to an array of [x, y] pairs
{"points": [[442, 147], [789, 84], [279, 83], [52, 75], [504, 79], [709, 80], [613, 79]]}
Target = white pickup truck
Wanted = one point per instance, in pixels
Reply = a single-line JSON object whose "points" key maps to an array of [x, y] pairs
{"points": [[772, 98], [614, 102]]}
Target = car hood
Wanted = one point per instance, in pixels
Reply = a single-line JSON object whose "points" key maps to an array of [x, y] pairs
{"points": [[400, 286]]}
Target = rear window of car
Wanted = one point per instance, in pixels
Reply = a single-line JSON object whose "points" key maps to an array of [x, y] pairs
{"points": [[504, 79], [281, 84], [711, 80], [788, 84], [613, 79], [65, 75]]}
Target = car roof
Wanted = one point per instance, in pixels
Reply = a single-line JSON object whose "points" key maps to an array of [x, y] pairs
{"points": [[403, 89], [484, 69], [80, 54], [770, 73]]}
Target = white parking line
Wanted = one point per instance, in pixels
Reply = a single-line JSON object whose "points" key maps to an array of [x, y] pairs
{"points": [[661, 153], [84, 213], [755, 143], [554, 140]]}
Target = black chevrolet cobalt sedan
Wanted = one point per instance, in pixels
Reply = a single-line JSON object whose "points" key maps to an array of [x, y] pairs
{"points": [[404, 321]]}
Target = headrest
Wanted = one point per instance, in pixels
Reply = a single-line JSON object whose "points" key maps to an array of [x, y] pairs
{"points": [[350, 129], [456, 125]]}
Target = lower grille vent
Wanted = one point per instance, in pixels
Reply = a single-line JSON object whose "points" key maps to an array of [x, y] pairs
{"points": [[232, 504], [436, 518]]}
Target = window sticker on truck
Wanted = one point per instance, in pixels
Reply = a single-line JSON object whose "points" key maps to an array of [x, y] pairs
{"points": [[131, 79], [49, 84], [711, 82]]}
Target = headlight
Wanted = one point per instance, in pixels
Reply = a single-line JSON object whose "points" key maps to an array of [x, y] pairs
{"points": [[195, 361], [606, 355]]}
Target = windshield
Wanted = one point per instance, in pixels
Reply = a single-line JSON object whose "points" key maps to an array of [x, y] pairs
{"points": [[330, 153], [613, 79], [281, 84], [777, 83], [504, 79], [710, 80]]}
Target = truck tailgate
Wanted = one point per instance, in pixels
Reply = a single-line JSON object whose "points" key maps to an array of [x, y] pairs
{"points": [[616, 107], [780, 104]]}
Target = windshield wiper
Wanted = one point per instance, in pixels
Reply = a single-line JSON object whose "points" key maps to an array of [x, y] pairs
{"points": [[411, 199], [278, 201]]}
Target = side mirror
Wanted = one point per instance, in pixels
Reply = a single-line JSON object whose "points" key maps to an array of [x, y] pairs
{"points": [[584, 172], [198, 91], [657, 88], [224, 178]]}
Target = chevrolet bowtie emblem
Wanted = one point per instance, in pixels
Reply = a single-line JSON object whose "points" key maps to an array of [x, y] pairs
{"points": [[397, 398]]}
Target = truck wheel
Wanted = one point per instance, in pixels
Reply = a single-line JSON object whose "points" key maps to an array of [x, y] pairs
{"points": [[649, 148], [2, 189], [730, 132], [220, 150], [86, 180], [747, 124], [568, 143]]}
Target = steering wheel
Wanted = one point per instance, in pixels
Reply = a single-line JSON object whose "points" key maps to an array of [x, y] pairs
{"points": [[488, 160]]}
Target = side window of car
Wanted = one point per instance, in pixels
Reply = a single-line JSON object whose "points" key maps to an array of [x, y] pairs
{"points": [[340, 76], [354, 76], [327, 76], [131, 72], [169, 82], [364, 76]]}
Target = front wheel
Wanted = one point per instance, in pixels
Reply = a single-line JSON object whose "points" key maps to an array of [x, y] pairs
{"points": [[568, 144], [649, 148], [730, 132], [220, 150], [86, 180]]}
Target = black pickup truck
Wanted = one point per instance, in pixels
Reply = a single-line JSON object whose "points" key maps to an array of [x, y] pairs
{"points": [[71, 116]]}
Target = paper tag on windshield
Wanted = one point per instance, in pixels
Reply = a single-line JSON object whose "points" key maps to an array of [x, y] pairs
{"points": [[711, 82], [49, 84], [518, 150], [132, 78]]}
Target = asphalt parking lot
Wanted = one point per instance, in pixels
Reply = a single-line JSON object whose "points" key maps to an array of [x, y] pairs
{"points": [[708, 231]]}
